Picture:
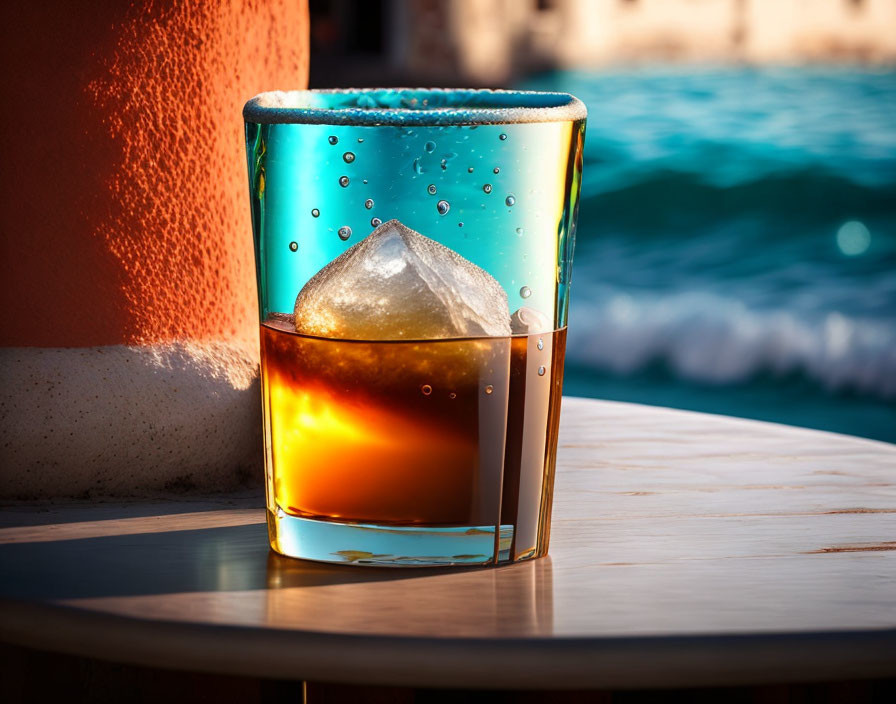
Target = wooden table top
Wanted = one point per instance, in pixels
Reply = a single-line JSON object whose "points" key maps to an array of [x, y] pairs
{"points": [[686, 550]]}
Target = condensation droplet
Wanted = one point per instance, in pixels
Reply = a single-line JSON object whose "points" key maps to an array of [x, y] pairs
{"points": [[444, 164], [540, 344], [418, 167], [426, 389], [541, 371], [502, 137], [431, 189], [496, 170], [525, 292], [509, 201], [489, 389], [376, 222], [345, 232], [470, 170], [360, 140], [348, 157], [452, 395], [430, 147], [487, 188], [368, 203], [460, 224], [364, 181], [315, 213], [343, 181], [443, 206], [333, 139], [519, 231]]}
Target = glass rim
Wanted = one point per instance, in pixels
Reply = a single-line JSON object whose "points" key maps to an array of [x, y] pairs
{"points": [[412, 107]]}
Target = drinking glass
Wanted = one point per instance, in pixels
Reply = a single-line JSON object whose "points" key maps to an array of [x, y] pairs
{"points": [[397, 449]]}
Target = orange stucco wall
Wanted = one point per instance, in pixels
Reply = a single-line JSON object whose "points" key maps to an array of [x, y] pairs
{"points": [[125, 209]]}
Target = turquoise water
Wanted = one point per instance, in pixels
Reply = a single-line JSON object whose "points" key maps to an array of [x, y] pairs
{"points": [[736, 247]]}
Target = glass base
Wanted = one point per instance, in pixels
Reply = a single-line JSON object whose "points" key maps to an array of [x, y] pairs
{"points": [[387, 546]]}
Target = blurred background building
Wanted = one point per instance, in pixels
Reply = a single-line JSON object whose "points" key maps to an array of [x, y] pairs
{"points": [[737, 230], [489, 42]]}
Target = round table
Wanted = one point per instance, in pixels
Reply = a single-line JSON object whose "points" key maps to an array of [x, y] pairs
{"points": [[687, 550]]}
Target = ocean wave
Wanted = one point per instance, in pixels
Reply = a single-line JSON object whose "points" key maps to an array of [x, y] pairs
{"points": [[736, 125], [680, 199], [706, 337]]}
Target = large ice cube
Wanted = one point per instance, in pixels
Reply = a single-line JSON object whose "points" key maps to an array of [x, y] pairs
{"points": [[398, 284]]}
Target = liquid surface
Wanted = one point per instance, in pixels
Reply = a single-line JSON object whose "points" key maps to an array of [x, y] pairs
{"points": [[447, 432]]}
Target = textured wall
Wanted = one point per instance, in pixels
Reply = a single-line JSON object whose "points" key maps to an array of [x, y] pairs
{"points": [[126, 233]]}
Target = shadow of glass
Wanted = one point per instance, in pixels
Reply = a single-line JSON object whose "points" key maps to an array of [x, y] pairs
{"points": [[237, 558], [515, 600], [42, 513], [213, 559]]}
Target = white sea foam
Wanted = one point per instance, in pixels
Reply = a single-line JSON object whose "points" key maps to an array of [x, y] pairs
{"points": [[710, 338]]}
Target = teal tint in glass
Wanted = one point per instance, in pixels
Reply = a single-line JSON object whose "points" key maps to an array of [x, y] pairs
{"points": [[458, 448], [411, 151]]}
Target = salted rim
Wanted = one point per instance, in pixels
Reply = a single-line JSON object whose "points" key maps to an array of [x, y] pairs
{"points": [[451, 107]]}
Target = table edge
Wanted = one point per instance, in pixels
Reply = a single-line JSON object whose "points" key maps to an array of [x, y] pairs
{"points": [[527, 663]]}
